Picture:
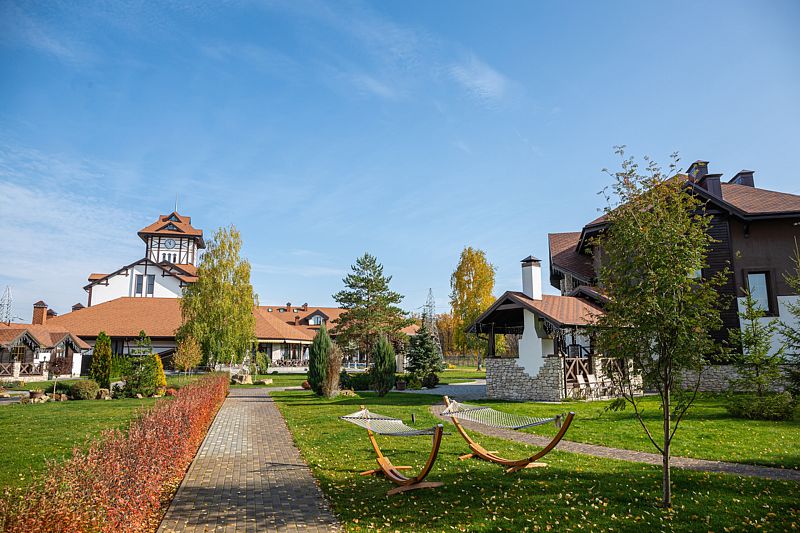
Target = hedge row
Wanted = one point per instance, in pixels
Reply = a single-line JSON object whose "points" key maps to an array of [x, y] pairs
{"points": [[125, 478]]}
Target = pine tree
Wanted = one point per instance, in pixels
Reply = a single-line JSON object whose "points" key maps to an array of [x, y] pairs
{"points": [[100, 371], [371, 307], [383, 367], [318, 359], [218, 307], [791, 332], [423, 356]]}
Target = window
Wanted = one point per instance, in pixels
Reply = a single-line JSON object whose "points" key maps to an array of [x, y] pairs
{"points": [[315, 320], [281, 310], [174, 257], [139, 284], [758, 285], [151, 283], [18, 353]]}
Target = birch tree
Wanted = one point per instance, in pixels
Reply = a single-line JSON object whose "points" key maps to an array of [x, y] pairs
{"points": [[471, 286], [218, 307], [660, 315]]}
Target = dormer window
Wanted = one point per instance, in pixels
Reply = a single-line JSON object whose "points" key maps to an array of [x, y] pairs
{"points": [[315, 320], [281, 310], [170, 227], [173, 218]]}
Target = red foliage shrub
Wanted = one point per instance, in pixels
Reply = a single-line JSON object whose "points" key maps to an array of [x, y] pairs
{"points": [[170, 392], [306, 385], [122, 481]]}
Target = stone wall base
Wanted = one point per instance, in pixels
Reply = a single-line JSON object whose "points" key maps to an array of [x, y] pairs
{"points": [[715, 378], [506, 380]]}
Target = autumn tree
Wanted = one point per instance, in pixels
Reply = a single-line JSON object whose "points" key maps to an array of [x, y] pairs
{"points": [[371, 307], [188, 355], [659, 314], [471, 287], [446, 324], [218, 307], [100, 370]]}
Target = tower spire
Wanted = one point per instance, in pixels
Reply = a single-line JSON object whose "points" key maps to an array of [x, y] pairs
{"points": [[176, 202], [429, 316]]}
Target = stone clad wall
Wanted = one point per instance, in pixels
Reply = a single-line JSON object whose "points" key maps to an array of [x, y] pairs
{"points": [[715, 378], [506, 380]]}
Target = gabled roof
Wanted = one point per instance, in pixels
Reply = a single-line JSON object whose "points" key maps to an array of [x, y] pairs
{"points": [[287, 314], [173, 225], [564, 255], [182, 272], [159, 318], [560, 310], [45, 335]]}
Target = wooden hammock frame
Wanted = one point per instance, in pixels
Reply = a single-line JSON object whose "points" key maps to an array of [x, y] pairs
{"points": [[511, 465], [392, 472]]}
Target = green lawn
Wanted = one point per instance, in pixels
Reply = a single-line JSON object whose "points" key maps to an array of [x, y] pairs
{"points": [[574, 493], [33, 433], [460, 375], [707, 432], [39, 385]]}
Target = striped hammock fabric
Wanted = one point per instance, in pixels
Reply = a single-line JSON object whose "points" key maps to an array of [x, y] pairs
{"points": [[385, 425], [497, 419]]}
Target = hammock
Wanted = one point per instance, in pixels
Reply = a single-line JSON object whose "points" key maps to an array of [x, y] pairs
{"points": [[385, 425], [490, 417], [496, 419]]}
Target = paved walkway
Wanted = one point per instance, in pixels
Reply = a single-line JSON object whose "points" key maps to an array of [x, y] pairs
{"points": [[248, 476], [470, 390], [630, 455]]}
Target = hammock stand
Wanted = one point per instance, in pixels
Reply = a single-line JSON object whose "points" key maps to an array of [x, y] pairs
{"points": [[478, 451], [385, 425]]}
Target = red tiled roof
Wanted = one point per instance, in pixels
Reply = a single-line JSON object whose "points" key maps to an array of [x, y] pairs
{"points": [[164, 226], [46, 335], [563, 310], [563, 254], [95, 276], [158, 317]]}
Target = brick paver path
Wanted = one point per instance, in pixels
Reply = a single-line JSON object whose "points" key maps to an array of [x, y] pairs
{"points": [[630, 455], [248, 476]]}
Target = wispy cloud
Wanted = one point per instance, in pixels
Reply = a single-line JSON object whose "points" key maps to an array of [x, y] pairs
{"points": [[369, 84], [480, 80], [19, 29], [53, 230]]}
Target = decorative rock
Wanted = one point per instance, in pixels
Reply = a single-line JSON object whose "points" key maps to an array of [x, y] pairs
{"points": [[139, 396], [264, 382], [102, 394], [5, 395], [242, 379]]}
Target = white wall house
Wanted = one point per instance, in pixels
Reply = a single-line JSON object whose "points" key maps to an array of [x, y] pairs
{"points": [[169, 264]]}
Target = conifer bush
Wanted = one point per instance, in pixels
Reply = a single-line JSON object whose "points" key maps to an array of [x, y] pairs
{"points": [[383, 367], [85, 389], [124, 479], [318, 359], [101, 361]]}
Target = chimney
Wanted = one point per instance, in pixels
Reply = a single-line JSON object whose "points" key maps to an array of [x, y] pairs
{"points": [[288, 306], [698, 170], [532, 277], [77, 307], [39, 313], [744, 177], [51, 313], [712, 185], [305, 307], [296, 320]]}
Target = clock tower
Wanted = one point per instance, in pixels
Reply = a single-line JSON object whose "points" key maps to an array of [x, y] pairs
{"points": [[171, 239]]}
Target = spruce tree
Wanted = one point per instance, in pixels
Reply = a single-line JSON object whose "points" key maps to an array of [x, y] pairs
{"points": [[383, 367], [100, 371], [318, 359], [423, 357]]}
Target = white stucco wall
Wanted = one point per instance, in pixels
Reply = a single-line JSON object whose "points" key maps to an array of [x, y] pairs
{"points": [[122, 285], [783, 315], [531, 349]]}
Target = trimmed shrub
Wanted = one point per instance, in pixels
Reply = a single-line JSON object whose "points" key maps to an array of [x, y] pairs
{"points": [[121, 366], [413, 382], [383, 367], [170, 392], [161, 378], [123, 480], [344, 380], [144, 379], [306, 385], [779, 406], [85, 389], [430, 381], [357, 381]]}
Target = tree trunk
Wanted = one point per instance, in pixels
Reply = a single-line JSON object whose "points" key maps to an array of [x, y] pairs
{"points": [[666, 482]]}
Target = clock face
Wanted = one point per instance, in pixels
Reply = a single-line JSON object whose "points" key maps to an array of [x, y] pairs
{"points": [[169, 243]]}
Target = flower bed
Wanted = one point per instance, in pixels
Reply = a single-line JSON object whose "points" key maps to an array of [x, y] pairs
{"points": [[124, 480]]}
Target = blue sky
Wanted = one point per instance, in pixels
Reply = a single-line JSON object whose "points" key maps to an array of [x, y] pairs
{"points": [[406, 129]]}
